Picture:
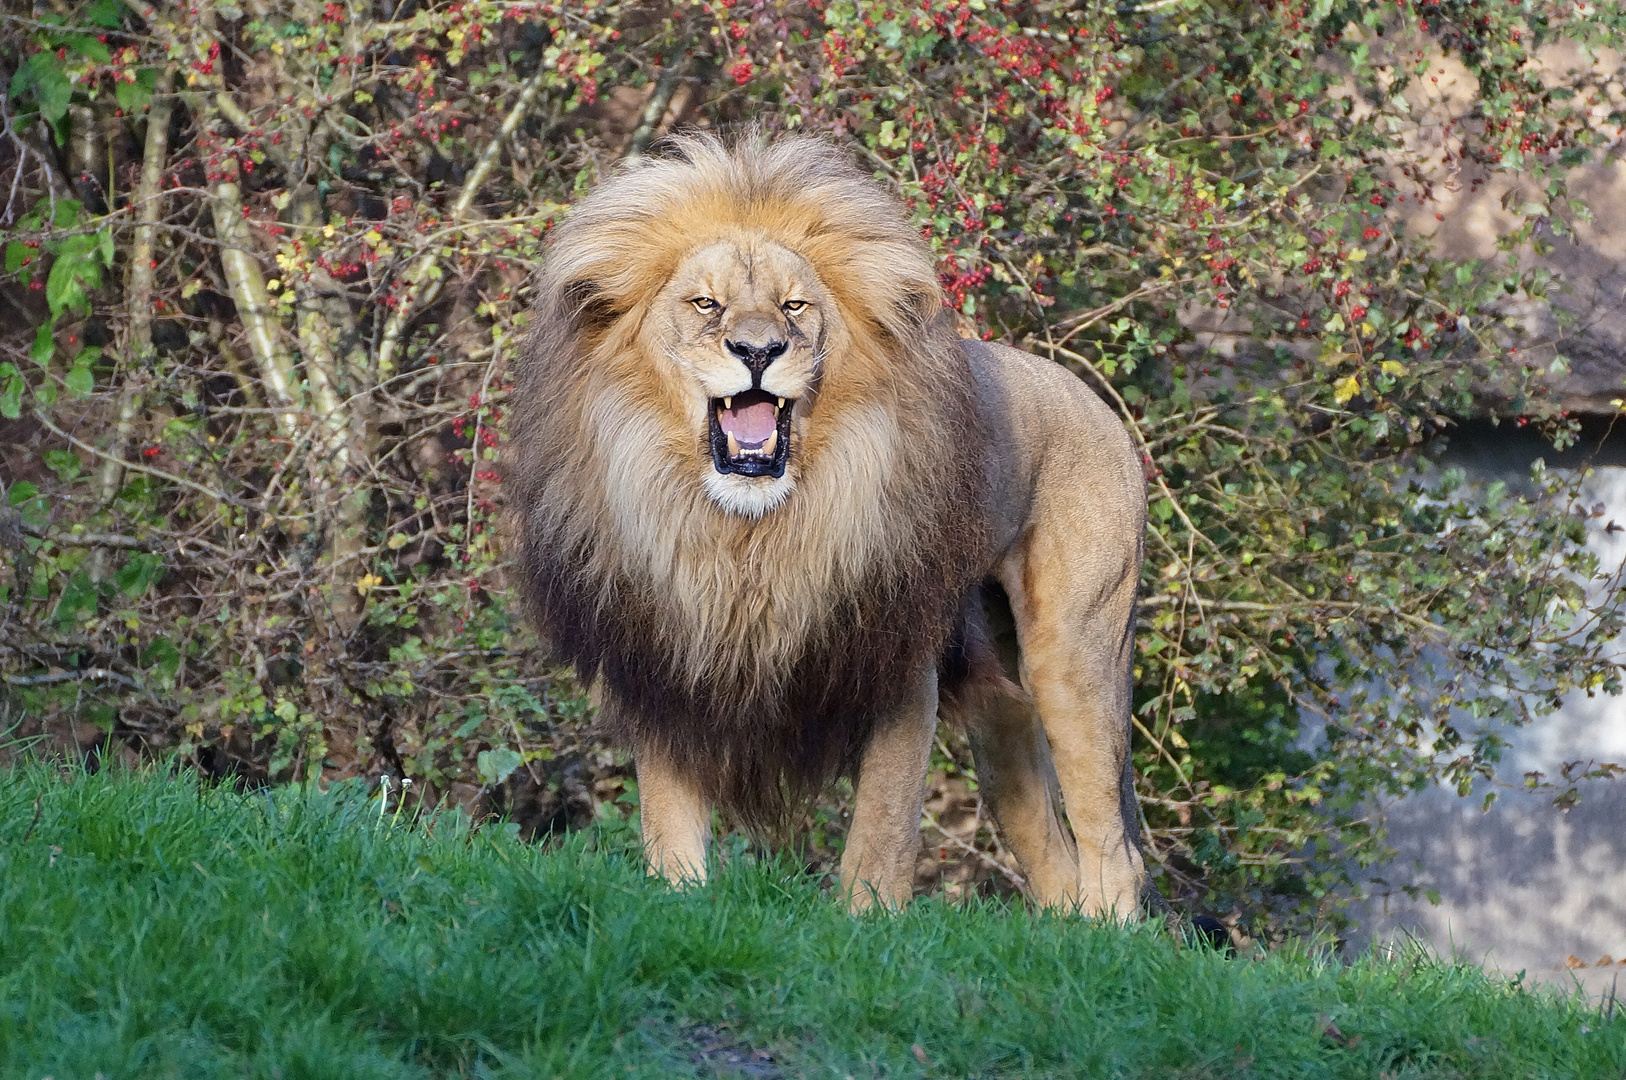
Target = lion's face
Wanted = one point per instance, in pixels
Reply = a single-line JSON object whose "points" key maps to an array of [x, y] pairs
{"points": [[743, 322]]}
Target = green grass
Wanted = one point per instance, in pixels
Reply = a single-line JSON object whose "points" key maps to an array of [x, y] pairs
{"points": [[156, 927]]}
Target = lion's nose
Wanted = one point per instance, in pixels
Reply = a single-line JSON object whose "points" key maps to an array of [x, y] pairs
{"points": [[757, 356]]}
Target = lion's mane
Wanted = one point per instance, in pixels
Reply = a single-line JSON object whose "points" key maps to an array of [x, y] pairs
{"points": [[756, 654]]}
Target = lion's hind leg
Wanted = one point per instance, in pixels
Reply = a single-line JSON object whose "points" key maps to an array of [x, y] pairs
{"points": [[1077, 635], [1015, 776]]}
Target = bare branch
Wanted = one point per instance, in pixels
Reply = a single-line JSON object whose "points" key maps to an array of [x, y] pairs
{"points": [[424, 278]]}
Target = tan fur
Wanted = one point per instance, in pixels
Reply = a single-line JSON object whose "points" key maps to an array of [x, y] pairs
{"points": [[754, 634]]}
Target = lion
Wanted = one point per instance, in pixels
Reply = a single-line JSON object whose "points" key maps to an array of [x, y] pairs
{"points": [[781, 516]]}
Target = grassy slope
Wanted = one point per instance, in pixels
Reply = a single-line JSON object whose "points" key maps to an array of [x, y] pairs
{"points": [[153, 928]]}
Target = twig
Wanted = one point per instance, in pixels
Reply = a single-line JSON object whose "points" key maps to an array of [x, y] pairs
{"points": [[1307, 604], [125, 463], [138, 346], [424, 278], [89, 539], [650, 122], [71, 676], [971, 849]]}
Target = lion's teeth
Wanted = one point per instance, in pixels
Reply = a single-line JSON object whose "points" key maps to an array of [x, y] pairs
{"points": [[733, 445], [771, 445], [728, 403], [781, 403]]}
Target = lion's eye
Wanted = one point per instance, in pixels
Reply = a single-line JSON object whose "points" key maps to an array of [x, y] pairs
{"points": [[704, 303], [791, 307]]}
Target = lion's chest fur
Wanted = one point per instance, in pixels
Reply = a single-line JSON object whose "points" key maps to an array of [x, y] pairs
{"points": [[757, 654], [744, 599]]}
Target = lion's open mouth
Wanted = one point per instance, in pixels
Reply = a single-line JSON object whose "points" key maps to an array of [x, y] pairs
{"points": [[750, 433]]}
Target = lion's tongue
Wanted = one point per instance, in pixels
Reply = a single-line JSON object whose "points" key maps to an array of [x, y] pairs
{"points": [[750, 424]]}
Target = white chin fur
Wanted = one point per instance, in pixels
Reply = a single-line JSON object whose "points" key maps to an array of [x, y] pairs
{"points": [[748, 496]]}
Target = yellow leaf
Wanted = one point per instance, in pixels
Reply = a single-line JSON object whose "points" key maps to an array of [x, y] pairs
{"points": [[1345, 389], [367, 583], [372, 236], [190, 289], [399, 541], [1357, 255], [1393, 367]]}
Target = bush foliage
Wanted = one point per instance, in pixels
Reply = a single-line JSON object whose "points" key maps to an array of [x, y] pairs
{"points": [[266, 268]]}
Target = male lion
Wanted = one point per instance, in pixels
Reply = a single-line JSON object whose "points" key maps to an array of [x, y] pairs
{"points": [[766, 496]]}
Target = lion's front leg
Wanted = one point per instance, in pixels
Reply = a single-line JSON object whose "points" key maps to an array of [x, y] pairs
{"points": [[884, 841], [676, 820]]}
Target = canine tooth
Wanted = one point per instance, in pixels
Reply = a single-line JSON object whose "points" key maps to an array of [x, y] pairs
{"points": [[728, 403], [733, 445], [781, 403], [771, 445]]}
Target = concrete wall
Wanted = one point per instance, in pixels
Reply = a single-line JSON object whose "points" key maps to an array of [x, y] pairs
{"points": [[1525, 886]]}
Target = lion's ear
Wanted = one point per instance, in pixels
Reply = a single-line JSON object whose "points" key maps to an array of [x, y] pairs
{"points": [[586, 305], [920, 304]]}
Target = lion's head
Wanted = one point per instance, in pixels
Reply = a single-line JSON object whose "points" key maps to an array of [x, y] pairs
{"points": [[743, 467], [743, 321]]}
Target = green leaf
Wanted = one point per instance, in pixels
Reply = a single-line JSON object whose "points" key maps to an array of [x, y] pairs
{"points": [[43, 75], [65, 214], [139, 573], [104, 242], [16, 252], [65, 463], [77, 602], [80, 379], [11, 393], [63, 290], [44, 345], [88, 47], [21, 492], [23, 80], [104, 13], [133, 97], [162, 658], [75, 272], [495, 766]]}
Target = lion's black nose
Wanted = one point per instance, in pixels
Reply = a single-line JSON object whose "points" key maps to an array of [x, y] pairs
{"points": [[757, 356]]}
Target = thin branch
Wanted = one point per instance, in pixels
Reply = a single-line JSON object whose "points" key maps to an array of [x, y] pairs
{"points": [[72, 676], [138, 345], [424, 278], [125, 463], [88, 539], [982, 856], [654, 113], [1307, 605]]}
